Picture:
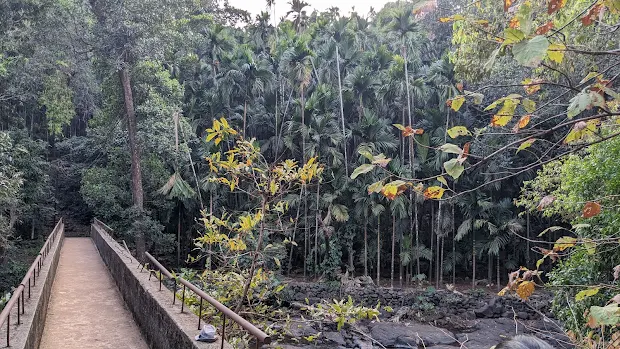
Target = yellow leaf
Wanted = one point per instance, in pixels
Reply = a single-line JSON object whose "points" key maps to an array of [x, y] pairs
{"points": [[586, 293], [500, 120], [457, 102], [526, 289], [564, 242], [434, 192], [555, 52], [389, 191]]}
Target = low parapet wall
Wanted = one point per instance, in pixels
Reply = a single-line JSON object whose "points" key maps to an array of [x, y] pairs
{"points": [[162, 323], [27, 335]]}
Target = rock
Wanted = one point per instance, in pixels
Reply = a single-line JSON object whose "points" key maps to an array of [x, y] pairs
{"points": [[399, 334], [469, 315], [486, 311], [363, 343], [335, 337], [523, 315], [301, 330]]}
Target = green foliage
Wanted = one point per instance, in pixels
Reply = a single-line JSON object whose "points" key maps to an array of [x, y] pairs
{"points": [[343, 312], [57, 98]]}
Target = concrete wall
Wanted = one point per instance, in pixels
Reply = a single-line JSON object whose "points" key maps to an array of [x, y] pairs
{"points": [[28, 334], [162, 323]]}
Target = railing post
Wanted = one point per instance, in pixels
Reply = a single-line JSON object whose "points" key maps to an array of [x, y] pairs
{"points": [[200, 313], [223, 330], [174, 295], [8, 329], [183, 300], [161, 276], [19, 310], [23, 302]]}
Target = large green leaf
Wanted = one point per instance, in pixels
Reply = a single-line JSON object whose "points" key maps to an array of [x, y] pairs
{"points": [[454, 168], [422, 143], [365, 168], [451, 148], [530, 53]]}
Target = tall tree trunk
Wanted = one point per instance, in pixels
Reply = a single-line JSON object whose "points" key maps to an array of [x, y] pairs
{"points": [[32, 230], [306, 241], [134, 149], [245, 111], [317, 216], [473, 259], [527, 252], [393, 250], [344, 134], [490, 269], [179, 236], [378, 250], [290, 257], [453, 249], [430, 268], [365, 245], [498, 274], [417, 236]]}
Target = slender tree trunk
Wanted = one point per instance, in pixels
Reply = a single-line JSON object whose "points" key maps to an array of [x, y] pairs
{"points": [[417, 237], [290, 257], [317, 216], [179, 236], [344, 134], [245, 110], [453, 249], [473, 258], [498, 274], [527, 252], [134, 149], [490, 269], [430, 268], [259, 246], [32, 230], [306, 241], [443, 247], [378, 250], [393, 250], [365, 245]]}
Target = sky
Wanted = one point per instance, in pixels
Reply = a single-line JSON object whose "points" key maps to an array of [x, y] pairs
{"points": [[361, 6]]}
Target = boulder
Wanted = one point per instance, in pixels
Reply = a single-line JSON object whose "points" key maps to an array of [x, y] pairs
{"points": [[335, 337], [390, 334]]}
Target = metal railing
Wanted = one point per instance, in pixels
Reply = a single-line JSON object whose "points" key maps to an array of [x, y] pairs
{"points": [[261, 337], [34, 271]]}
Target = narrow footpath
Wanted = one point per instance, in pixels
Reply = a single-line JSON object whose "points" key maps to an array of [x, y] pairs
{"points": [[86, 309]]}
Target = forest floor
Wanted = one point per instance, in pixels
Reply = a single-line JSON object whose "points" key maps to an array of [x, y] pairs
{"points": [[419, 317]]}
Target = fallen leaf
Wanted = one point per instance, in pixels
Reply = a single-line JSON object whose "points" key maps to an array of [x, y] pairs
{"points": [[593, 14], [555, 5], [543, 29], [525, 289], [591, 209]]}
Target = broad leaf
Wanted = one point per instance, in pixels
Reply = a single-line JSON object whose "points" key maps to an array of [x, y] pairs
{"points": [[530, 53], [529, 105], [450, 148], [457, 131], [526, 144], [555, 52], [454, 168], [375, 187], [608, 315], [564, 242], [581, 295], [365, 168], [434, 192], [512, 36], [457, 102], [591, 209]]}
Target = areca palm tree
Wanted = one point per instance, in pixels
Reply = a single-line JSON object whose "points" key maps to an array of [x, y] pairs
{"points": [[362, 83], [297, 10]]}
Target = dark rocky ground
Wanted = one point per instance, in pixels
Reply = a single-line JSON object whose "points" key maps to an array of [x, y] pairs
{"points": [[424, 318]]}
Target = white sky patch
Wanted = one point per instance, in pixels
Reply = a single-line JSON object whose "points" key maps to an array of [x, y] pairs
{"points": [[362, 7]]}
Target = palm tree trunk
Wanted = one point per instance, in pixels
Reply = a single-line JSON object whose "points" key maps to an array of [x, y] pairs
{"points": [[344, 134], [527, 252], [417, 237], [179, 235], [378, 250], [473, 258], [498, 274], [317, 216], [430, 268], [453, 249], [290, 257], [306, 241], [393, 250], [365, 245], [245, 109], [443, 246]]}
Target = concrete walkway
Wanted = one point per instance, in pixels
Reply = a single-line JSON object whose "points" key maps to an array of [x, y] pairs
{"points": [[86, 310]]}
